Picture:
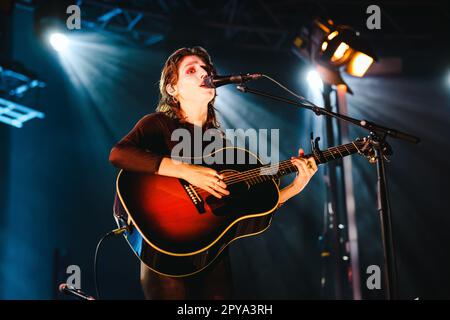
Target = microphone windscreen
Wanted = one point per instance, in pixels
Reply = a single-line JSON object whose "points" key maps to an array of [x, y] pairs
{"points": [[208, 82], [62, 287]]}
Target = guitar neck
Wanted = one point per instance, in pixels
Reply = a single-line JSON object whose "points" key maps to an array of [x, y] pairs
{"points": [[275, 171]]}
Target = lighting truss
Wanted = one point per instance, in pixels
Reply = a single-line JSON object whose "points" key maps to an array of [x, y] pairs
{"points": [[14, 84]]}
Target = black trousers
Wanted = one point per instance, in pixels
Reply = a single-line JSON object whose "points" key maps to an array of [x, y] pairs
{"points": [[212, 283]]}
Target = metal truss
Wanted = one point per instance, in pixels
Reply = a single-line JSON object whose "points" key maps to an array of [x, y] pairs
{"points": [[252, 24], [14, 84], [258, 24], [15, 114]]}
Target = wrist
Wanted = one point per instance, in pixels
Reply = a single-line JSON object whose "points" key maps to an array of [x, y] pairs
{"points": [[295, 189], [183, 170]]}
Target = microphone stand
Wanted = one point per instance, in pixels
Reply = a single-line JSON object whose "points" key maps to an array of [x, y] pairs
{"points": [[378, 142]]}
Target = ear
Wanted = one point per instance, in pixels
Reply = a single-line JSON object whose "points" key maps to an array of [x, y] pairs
{"points": [[172, 90]]}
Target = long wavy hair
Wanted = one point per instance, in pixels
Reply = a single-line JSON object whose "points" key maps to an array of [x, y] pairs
{"points": [[169, 75]]}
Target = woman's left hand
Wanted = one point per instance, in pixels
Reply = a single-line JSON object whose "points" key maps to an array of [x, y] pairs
{"points": [[306, 167]]}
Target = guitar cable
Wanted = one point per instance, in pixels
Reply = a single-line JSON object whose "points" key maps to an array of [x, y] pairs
{"points": [[111, 233]]}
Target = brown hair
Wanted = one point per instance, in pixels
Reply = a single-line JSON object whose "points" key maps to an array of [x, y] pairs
{"points": [[169, 75]]}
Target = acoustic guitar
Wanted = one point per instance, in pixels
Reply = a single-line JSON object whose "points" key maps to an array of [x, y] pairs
{"points": [[177, 229]]}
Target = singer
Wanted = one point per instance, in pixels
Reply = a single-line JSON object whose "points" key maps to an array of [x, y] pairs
{"points": [[185, 102]]}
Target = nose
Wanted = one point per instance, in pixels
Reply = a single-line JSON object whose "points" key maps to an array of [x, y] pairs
{"points": [[203, 73]]}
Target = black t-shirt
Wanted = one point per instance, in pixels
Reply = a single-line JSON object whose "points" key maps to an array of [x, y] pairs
{"points": [[144, 147]]}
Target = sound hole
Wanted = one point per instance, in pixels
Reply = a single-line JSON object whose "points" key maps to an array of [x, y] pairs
{"points": [[239, 192]]}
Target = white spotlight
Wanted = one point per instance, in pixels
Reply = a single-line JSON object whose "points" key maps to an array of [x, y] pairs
{"points": [[59, 41], [314, 80]]}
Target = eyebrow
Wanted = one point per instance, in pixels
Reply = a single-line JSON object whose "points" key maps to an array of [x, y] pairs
{"points": [[192, 63]]}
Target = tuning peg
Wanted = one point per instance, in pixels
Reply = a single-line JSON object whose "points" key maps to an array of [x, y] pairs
{"points": [[372, 159]]}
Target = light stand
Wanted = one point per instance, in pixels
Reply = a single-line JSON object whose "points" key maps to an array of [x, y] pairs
{"points": [[332, 235]]}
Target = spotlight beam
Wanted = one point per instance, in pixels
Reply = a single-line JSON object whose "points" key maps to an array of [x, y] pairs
{"points": [[59, 41]]}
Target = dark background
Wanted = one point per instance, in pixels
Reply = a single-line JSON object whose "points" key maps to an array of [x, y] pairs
{"points": [[57, 186]]}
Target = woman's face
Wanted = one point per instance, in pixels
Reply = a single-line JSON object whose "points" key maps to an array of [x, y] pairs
{"points": [[189, 88]]}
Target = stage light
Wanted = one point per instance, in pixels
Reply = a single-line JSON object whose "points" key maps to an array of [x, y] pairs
{"points": [[332, 35], [314, 80], [359, 64], [344, 48], [334, 47], [59, 41], [341, 52]]}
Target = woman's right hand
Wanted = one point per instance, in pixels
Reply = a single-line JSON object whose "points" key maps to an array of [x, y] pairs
{"points": [[205, 178]]}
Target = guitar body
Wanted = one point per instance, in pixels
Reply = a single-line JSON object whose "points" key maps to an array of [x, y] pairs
{"points": [[178, 230]]}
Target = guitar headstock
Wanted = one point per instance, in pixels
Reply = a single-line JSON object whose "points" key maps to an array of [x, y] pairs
{"points": [[366, 147]]}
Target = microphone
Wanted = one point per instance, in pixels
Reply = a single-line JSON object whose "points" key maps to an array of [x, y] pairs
{"points": [[71, 290], [218, 81]]}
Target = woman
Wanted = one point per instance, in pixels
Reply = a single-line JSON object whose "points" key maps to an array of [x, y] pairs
{"points": [[186, 103]]}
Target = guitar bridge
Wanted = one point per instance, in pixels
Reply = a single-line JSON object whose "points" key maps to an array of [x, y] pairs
{"points": [[194, 196]]}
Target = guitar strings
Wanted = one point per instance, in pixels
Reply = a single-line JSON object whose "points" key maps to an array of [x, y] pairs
{"points": [[245, 177], [249, 174], [240, 175], [254, 173]]}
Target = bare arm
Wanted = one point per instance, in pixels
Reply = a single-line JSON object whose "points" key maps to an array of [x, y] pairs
{"points": [[206, 178], [305, 173]]}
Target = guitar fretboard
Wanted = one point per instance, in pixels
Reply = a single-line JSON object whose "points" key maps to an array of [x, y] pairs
{"points": [[275, 171]]}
